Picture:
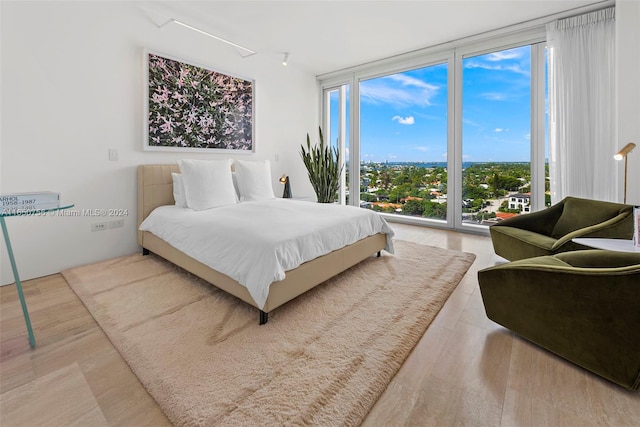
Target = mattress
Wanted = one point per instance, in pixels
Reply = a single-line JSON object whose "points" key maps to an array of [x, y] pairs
{"points": [[256, 243]]}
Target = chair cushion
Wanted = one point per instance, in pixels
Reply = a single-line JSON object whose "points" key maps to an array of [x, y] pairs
{"points": [[581, 213], [515, 243], [525, 236]]}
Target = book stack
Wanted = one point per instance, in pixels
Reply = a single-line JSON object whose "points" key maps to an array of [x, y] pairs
{"points": [[18, 203], [636, 226]]}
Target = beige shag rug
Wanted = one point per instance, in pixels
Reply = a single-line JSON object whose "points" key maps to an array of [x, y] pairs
{"points": [[322, 359]]}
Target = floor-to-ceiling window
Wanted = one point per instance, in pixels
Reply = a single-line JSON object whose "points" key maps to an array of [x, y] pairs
{"points": [[403, 142], [336, 128], [458, 142], [497, 93]]}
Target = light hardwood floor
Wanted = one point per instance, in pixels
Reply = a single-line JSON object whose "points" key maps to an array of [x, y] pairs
{"points": [[466, 370]]}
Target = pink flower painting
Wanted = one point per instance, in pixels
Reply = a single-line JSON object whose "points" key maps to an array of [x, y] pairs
{"points": [[192, 107]]}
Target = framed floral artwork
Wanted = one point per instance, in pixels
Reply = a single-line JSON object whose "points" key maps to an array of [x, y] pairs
{"points": [[193, 108]]}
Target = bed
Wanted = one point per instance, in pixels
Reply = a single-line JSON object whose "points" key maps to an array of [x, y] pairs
{"points": [[155, 189]]}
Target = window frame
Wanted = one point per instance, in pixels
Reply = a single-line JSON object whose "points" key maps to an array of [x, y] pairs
{"points": [[452, 54], [342, 134], [537, 117]]}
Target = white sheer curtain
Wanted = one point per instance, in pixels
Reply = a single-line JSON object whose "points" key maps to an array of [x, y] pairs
{"points": [[582, 108]]}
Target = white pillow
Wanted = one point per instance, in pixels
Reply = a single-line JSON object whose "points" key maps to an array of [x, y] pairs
{"points": [[207, 183], [235, 184], [254, 180], [178, 190]]}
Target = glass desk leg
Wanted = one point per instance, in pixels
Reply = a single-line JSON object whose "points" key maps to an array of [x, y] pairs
{"points": [[32, 340]]}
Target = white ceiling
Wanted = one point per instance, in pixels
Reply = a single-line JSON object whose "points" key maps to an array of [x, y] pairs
{"points": [[325, 36]]}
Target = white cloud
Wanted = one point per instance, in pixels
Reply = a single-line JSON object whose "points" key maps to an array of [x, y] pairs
{"points": [[398, 89], [478, 64], [494, 96], [505, 54], [404, 120], [497, 67], [517, 69], [422, 148], [514, 60], [405, 80], [499, 130]]}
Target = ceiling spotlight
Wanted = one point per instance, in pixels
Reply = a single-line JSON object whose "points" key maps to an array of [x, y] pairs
{"points": [[285, 59]]}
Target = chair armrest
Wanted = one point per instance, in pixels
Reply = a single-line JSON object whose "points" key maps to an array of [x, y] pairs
{"points": [[587, 266], [541, 222], [589, 230], [597, 258]]}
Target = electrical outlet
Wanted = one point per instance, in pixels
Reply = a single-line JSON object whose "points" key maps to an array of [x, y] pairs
{"points": [[116, 223], [99, 226]]}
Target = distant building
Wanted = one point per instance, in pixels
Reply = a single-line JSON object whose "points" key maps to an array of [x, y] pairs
{"points": [[408, 198], [504, 215], [385, 205], [441, 198], [521, 202]]}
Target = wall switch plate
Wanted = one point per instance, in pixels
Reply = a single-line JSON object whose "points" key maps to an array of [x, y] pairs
{"points": [[99, 226], [113, 155], [116, 223]]}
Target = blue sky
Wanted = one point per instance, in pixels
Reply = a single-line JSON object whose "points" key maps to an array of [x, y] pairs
{"points": [[404, 116]]}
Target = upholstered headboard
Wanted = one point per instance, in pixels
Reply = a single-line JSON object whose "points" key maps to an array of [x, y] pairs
{"points": [[155, 188]]}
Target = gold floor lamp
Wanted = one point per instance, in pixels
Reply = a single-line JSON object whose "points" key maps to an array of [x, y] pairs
{"points": [[622, 154]]}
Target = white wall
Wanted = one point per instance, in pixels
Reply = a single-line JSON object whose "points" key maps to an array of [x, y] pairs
{"points": [[72, 88], [628, 44]]}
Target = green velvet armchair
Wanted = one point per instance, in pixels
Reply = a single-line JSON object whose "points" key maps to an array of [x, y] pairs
{"points": [[583, 306], [551, 231]]}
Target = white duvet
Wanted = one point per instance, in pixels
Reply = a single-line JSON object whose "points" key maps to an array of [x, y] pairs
{"points": [[255, 243]]}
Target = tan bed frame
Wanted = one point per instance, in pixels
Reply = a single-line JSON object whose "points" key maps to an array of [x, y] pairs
{"points": [[155, 188]]}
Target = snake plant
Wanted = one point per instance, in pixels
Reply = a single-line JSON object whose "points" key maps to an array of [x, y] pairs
{"points": [[324, 168]]}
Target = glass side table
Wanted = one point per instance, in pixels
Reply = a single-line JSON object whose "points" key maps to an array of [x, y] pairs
{"points": [[24, 212], [619, 245]]}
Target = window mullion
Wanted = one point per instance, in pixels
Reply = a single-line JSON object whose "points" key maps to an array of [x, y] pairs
{"points": [[454, 156], [342, 144], [354, 143]]}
